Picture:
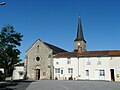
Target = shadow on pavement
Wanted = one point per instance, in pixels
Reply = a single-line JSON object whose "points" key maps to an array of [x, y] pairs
{"points": [[7, 84]]}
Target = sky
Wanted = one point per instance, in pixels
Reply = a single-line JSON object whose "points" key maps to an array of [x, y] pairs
{"points": [[55, 22]]}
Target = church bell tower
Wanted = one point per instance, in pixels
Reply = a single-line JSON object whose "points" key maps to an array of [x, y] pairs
{"points": [[79, 42]]}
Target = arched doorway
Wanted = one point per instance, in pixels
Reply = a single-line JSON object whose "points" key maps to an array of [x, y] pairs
{"points": [[37, 72]]}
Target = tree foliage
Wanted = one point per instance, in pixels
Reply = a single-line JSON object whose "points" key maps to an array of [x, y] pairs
{"points": [[9, 54]]}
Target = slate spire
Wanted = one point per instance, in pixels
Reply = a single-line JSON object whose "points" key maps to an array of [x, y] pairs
{"points": [[80, 36]]}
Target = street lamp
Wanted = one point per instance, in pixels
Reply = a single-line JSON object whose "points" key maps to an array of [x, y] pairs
{"points": [[2, 3]]}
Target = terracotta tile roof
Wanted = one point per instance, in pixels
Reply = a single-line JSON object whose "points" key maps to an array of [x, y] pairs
{"points": [[89, 54]]}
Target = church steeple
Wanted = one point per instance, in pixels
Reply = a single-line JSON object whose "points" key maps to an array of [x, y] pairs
{"points": [[79, 42], [80, 35]]}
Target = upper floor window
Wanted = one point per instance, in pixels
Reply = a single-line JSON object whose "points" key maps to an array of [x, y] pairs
{"points": [[57, 62], [98, 62], [69, 61], [70, 70], [37, 48], [38, 58], [88, 62]]}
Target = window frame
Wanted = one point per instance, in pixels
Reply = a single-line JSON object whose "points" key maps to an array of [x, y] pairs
{"points": [[87, 72], [68, 61], [70, 70], [57, 70], [99, 62], [88, 62], [102, 72]]}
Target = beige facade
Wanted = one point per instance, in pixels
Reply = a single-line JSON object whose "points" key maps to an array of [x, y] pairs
{"points": [[115, 67], [39, 61], [88, 68], [64, 68]]}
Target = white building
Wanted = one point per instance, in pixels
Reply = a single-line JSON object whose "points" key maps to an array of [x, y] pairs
{"points": [[1, 69], [91, 65], [83, 64], [18, 73]]}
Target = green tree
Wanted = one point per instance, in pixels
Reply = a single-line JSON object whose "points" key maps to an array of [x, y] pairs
{"points": [[9, 54]]}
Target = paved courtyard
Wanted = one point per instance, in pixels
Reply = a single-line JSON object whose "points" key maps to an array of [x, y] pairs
{"points": [[73, 85], [14, 85], [60, 85]]}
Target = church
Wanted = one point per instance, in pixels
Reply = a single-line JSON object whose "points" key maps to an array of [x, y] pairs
{"points": [[46, 61], [39, 60]]}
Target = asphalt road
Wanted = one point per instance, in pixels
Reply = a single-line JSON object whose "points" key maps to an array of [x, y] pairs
{"points": [[15, 85], [73, 85]]}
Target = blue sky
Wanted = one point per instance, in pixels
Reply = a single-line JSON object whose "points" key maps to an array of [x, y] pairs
{"points": [[55, 22]]}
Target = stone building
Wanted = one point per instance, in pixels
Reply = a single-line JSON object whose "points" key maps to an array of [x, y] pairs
{"points": [[39, 60]]}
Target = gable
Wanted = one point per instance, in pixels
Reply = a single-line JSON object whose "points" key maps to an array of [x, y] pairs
{"points": [[55, 49], [37, 44]]}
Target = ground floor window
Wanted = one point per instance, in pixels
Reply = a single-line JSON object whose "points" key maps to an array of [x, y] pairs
{"points": [[61, 71], [87, 72], [57, 70], [102, 72], [70, 70]]}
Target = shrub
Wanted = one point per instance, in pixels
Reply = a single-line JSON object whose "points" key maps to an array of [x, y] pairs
{"points": [[71, 78], [56, 78]]}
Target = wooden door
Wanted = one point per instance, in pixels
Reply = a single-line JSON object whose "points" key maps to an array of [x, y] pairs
{"points": [[37, 74], [112, 75]]}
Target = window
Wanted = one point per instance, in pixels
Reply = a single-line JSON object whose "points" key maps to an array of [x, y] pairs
{"points": [[70, 70], [37, 48], [38, 58], [69, 61], [87, 72], [57, 62], [61, 71], [57, 70], [102, 72], [88, 62], [98, 62]]}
